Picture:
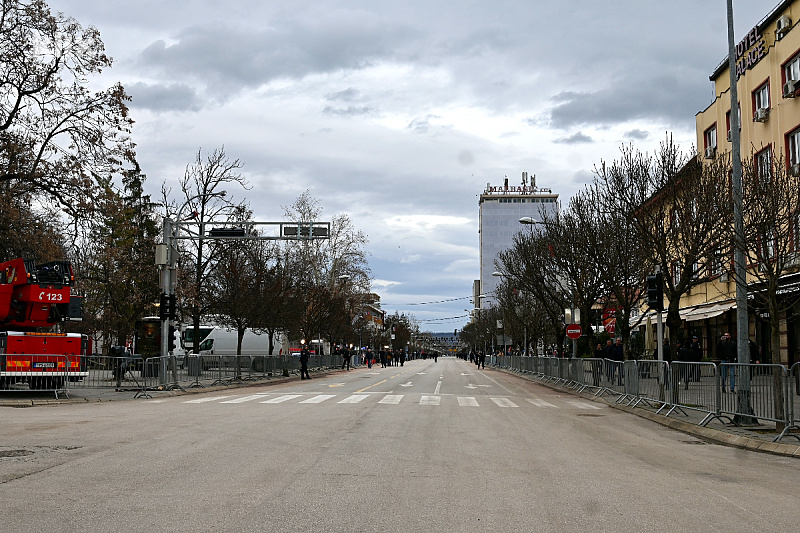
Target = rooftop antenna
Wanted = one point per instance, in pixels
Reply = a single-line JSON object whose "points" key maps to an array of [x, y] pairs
{"points": [[524, 179]]}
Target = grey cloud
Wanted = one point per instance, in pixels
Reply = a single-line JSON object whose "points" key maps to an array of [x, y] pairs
{"points": [[170, 97], [636, 135], [576, 138], [583, 176], [348, 95], [665, 98], [349, 111], [231, 57], [421, 124]]}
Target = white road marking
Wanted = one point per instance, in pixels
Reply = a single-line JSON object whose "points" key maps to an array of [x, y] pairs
{"points": [[392, 399], [281, 399], [438, 388], [542, 403], [504, 402], [467, 401], [355, 398], [319, 399], [430, 400], [246, 398], [409, 384], [204, 400], [582, 405]]}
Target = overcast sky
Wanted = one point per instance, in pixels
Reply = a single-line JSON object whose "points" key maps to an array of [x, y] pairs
{"points": [[399, 113]]}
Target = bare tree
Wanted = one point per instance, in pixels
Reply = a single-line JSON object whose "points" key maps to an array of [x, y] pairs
{"points": [[682, 206], [204, 200], [56, 135]]}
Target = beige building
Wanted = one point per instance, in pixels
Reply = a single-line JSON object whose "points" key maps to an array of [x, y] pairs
{"points": [[768, 71]]}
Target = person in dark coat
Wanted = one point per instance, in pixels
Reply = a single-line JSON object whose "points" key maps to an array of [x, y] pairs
{"points": [[726, 351], [697, 356], [685, 355], [304, 356], [346, 358]]}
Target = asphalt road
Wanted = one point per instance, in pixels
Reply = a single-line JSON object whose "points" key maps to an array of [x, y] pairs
{"points": [[424, 447]]}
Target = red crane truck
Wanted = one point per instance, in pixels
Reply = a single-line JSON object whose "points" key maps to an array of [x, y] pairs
{"points": [[33, 299]]}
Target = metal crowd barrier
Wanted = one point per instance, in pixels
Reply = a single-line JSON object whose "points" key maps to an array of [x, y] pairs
{"points": [[760, 391], [44, 373]]}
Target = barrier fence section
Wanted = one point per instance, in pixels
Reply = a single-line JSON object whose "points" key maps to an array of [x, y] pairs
{"points": [[39, 372], [732, 392]]}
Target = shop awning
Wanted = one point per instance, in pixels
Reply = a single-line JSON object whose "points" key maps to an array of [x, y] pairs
{"points": [[709, 311]]}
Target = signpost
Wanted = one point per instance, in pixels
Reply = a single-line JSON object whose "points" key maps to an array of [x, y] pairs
{"points": [[574, 331]]}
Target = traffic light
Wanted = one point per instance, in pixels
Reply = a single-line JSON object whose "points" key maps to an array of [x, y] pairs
{"points": [[172, 339], [163, 307], [655, 292], [173, 301]]}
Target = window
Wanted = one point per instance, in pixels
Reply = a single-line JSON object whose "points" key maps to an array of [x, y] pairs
{"points": [[711, 137], [763, 161], [791, 70], [761, 97], [768, 245], [716, 261], [796, 231], [728, 121], [676, 272], [793, 147]]}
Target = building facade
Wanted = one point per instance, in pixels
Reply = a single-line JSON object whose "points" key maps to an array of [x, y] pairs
{"points": [[500, 211], [768, 87]]}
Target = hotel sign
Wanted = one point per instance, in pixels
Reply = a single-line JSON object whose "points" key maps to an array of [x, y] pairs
{"points": [[749, 52]]}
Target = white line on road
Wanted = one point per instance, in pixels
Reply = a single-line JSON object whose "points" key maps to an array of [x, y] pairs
{"points": [[504, 402], [581, 405], [438, 388], [355, 398], [281, 399], [204, 400], [246, 398], [467, 401], [542, 403], [430, 400], [319, 399], [392, 399]]}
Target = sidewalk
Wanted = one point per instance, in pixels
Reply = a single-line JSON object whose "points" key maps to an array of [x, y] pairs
{"points": [[758, 438], [26, 398]]}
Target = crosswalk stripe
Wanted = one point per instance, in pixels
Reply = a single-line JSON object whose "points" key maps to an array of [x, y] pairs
{"points": [[204, 400], [541, 403], [582, 405], [355, 398], [430, 400], [504, 402], [281, 399], [319, 399], [246, 398], [467, 401], [392, 399]]}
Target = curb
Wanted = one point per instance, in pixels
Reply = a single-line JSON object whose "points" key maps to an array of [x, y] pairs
{"points": [[40, 402], [704, 433]]}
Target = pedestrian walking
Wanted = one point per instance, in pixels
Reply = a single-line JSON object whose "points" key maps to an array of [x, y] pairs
{"points": [[726, 351], [304, 356], [346, 358], [685, 356], [697, 356]]}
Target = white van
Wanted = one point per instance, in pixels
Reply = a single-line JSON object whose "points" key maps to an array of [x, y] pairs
{"points": [[223, 341]]}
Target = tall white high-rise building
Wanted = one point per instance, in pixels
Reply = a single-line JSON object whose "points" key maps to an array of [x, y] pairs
{"points": [[500, 208]]}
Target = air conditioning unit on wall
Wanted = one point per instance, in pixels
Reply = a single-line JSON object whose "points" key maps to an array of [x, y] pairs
{"points": [[794, 170], [724, 277], [790, 89], [761, 115], [782, 26], [710, 151]]}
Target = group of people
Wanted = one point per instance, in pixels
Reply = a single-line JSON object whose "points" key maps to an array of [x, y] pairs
{"points": [[479, 358]]}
